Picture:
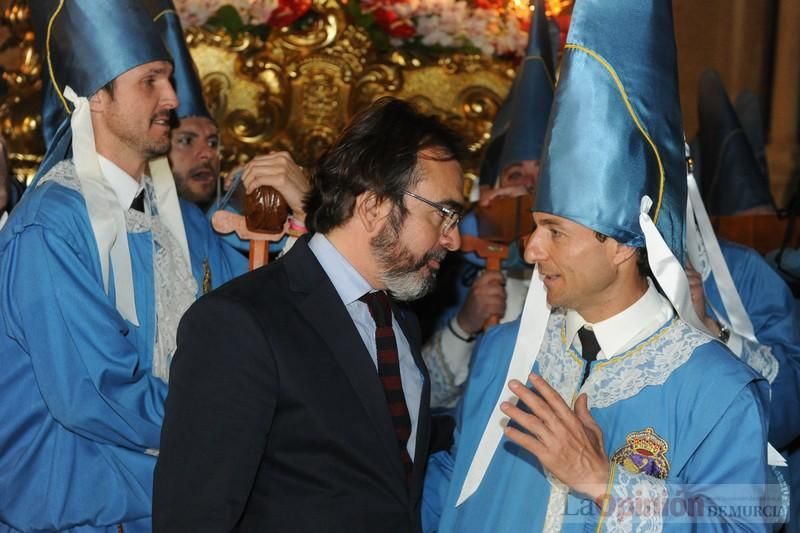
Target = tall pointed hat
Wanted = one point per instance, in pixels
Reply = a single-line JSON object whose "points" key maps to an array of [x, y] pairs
{"points": [[81, 47], [732, 179], [748, 111], [613, 161], [86, 44], [490, 163], [702, 246], [532, 96], [519, 128], [184, 74], [616, 132]]}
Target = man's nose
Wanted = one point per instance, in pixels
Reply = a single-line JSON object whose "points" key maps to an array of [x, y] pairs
{"points": [[451, 241], [205, 151], [169, 99], [534, 251]]}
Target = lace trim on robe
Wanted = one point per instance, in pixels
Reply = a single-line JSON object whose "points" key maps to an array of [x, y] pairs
{"points": [[175, 285], [761, 359], [619, 378], [563, 371], [637, 503], [647, 364], [176, 288]]}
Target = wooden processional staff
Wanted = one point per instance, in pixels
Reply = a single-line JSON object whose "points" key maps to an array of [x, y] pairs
{"points": [[504, 221], [265, 221]]}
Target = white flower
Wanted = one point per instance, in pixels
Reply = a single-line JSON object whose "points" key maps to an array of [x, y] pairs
{"points": [[261, 10], [242, 7], [450, 23], [195, 12]]}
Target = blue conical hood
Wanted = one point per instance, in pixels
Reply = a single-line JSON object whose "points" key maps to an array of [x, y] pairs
{"points": [[490, 164], [185, 76], [85, 44], [732, 179], [615, 132], [532, 96], [748, 110]]}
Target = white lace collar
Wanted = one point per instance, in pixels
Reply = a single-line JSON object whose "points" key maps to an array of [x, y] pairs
{"points": [[627, 328]]}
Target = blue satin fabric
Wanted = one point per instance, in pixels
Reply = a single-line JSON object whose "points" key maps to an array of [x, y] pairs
{"points": [[185, 77], [771, 308], [490, 167], [490, 164], [91, 43], [697, 421], [59, 146], [731, 177], [519, 127], [94, 41], [78, 402], [53, 113], [597, 164], [533, 96]]}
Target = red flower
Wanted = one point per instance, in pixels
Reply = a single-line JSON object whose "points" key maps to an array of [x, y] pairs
{"points": [[489, 4], [288, 11], [393, 24]]}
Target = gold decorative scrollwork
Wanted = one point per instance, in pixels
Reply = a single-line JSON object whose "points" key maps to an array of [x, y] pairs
{"points": [[20, 110], [379, 79], [295, 90]]}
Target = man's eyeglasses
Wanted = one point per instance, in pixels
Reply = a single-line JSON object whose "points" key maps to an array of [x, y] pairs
{"points": [[450, 217]]}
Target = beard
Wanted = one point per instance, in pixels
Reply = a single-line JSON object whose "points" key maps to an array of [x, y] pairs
{"points": [[404, 276], [153, 149], [129, 132], [201, 194]]}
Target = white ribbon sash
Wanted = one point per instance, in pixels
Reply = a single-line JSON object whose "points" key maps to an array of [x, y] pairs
{"points": [[169, 208], [737, 315], [535, 316], [106, 215]]}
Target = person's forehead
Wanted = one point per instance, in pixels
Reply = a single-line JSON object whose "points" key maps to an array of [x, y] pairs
{"points": [[548, 219], [441, 178], [201, 126], [435, 161], [153, 68]]}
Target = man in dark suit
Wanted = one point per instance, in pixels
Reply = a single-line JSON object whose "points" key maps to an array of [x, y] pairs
{"points": [[298, 399]]}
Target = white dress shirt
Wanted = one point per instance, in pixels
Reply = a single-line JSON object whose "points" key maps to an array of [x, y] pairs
{"points": [[125, 186], [350, 285], [626, 329]]}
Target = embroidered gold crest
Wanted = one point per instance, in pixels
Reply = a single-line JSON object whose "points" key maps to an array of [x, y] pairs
{"points": [[644, 452]]}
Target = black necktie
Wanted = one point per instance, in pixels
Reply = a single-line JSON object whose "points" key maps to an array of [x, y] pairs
{"points": [[389, 372], [589, 349], [138, 202]]}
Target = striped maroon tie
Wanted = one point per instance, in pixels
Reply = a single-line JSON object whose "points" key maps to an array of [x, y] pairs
{"points": [[389, 371]]}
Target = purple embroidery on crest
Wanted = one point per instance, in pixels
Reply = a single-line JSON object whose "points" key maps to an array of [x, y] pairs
{"points": [[644, 452]]}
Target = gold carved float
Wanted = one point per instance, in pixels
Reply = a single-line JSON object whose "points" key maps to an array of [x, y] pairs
{"points": [[293, 91]]}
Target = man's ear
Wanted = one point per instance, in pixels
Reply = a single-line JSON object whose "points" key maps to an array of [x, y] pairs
{"points": [[97, 101], [622, 253], [371, 211]]}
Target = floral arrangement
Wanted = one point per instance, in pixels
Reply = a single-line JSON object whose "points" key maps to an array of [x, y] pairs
{"points": [[235, 15], [491, 27]]}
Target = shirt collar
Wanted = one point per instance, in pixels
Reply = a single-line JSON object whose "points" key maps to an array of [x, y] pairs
{"points": [[125, 187], [345, 278], [627, 328]]}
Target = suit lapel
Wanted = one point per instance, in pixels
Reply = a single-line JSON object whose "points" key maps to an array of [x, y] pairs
{"points": [[326, 313]]}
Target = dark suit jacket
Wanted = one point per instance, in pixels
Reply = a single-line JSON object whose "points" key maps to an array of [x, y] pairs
{"points": [[276, 419]]}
